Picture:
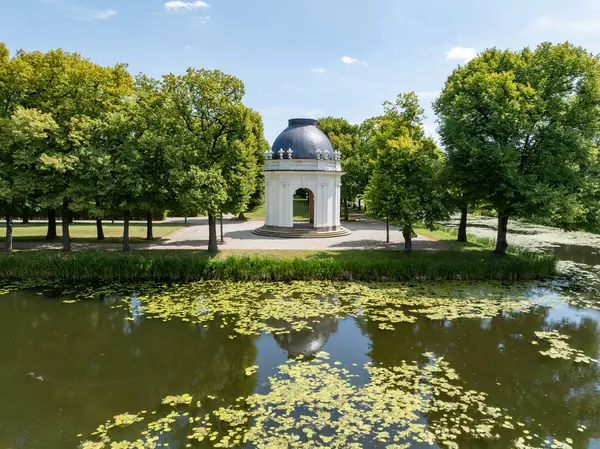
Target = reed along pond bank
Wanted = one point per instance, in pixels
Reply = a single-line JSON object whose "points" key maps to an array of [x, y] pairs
{"points": [[346, 265]]}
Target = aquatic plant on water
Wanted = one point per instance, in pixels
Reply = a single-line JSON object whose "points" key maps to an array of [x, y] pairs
{"points": [[279, 308], [560, 349], [316, 403]]}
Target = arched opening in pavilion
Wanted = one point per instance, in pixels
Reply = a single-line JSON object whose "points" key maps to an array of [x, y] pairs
{"points": [[304, 208]]}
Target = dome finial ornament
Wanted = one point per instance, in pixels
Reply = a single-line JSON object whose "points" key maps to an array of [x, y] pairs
{"points": [[281, 153], [289, 153]]}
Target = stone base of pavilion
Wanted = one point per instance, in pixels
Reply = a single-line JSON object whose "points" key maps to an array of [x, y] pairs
{"points": [[301, 231]]}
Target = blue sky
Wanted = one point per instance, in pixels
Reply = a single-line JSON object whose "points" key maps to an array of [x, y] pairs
{"points": [[301, 58]]}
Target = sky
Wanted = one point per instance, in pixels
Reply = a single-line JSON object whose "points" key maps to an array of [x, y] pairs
{"points": [[309, 58]]}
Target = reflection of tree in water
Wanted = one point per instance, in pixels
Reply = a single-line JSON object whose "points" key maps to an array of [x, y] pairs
{"points": [[95, 364], [305, 342], [496, 356]]}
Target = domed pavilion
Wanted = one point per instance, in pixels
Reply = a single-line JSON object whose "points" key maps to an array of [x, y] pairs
{"points": [[302, 160]]}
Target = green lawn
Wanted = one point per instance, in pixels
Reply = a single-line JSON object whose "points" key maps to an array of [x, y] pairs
{"points": [[86, 232], [301, 210], [257, 214], [449, 239]]}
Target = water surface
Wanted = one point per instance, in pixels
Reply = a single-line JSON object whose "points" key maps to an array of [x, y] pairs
{"points": [[66, 368]]}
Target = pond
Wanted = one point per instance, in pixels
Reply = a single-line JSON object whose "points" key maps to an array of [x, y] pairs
{"points": [[451, 365]]}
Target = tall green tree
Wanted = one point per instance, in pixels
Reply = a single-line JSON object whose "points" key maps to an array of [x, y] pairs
{"points": [[21, 135], [259, 145], [157, 152], [210, 120], [75, 92], [405, 185], [131, 158], [519, 127], [356, 163], [243, 163]]}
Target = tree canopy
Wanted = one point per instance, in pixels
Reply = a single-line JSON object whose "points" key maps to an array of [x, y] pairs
{"points": [[91, 138], [405, 185], [520, 130]]}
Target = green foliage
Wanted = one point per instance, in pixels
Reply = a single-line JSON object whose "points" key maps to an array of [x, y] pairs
{"points": [[404, 182], [405, 185], [20, 135], [90, 138], [209, 119], [356, 159], [520, 131], [221, 141]]}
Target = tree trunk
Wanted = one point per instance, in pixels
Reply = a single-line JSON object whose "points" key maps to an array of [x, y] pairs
{"points": [[185, 220], [212, 234], [8, 242], [462, 228], [221, 220], [241, 216], [99, 229], [51, 234], [346, 215], [387, 230], [126, 247], [501, 243], [70, 216], [149, 230], [359, 205], [26, 217], [66, 236], [407, 234], [113, 219]]}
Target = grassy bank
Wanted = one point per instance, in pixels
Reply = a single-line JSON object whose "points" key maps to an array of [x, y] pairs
{"points": [[359, 265], [86, 232]]}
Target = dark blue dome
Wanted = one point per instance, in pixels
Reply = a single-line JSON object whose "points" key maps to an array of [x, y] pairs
{"points": [[304, 138]]}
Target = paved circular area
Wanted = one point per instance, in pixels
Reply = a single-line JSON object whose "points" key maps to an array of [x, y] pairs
{"points": [[367, 233]]}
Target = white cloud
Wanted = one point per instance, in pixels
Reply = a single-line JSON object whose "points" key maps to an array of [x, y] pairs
{"points": [[349, 60], [461, 54], [178, 5], [319, 70], [287, 86], [188, 47], [91, 14]]}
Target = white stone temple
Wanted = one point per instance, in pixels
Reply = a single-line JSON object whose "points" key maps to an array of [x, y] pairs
{"points": [[302, 157]]}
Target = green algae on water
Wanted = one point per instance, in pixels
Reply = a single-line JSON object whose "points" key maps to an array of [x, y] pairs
{"points": [[317, 404], [280, 308], [560, 349]]}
